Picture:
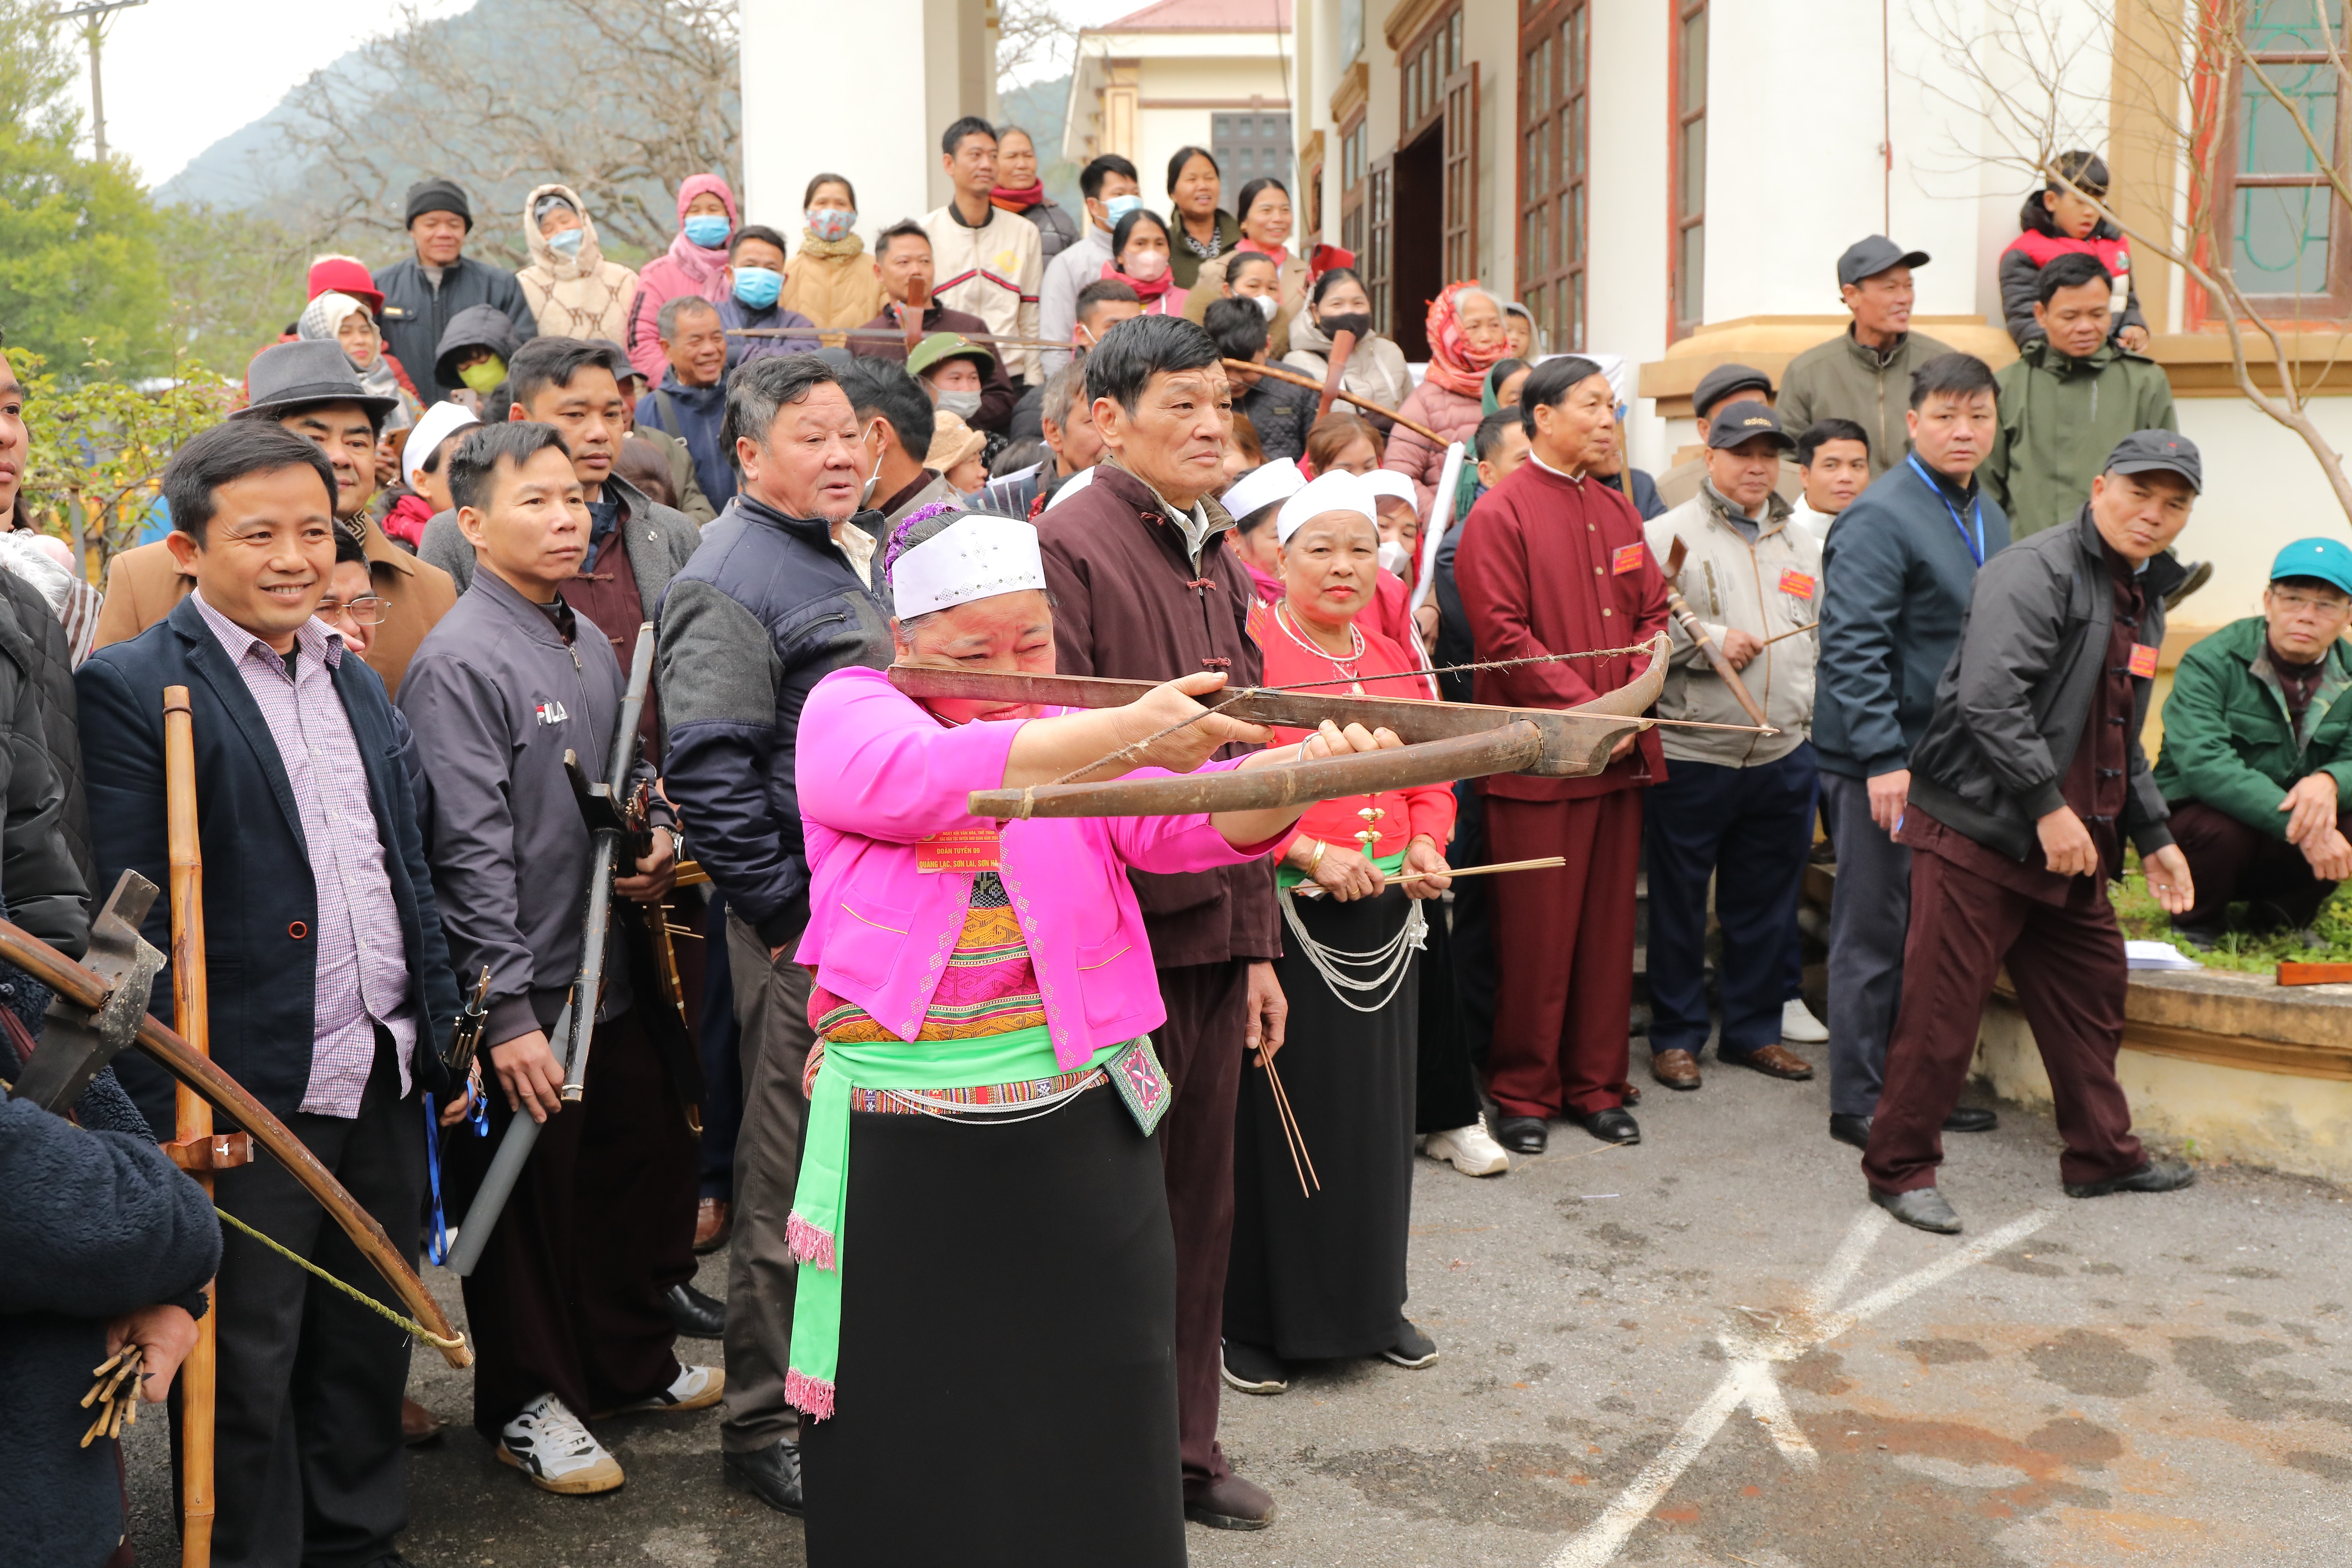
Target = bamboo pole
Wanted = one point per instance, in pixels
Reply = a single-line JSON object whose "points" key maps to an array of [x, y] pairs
{"points": [[190, 1008], [1311, 385]]}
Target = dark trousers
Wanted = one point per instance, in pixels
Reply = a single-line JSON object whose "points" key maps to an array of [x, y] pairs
{"points": [[1748, 829], [2230, 862], [1564, 942], [567, 1299], [721, 1039], [1870, 910], [308, 1464], [1201, 1047], [771, 999], [2067, 965], [1472, 924]]}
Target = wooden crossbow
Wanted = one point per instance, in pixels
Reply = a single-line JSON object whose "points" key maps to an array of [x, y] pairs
{"points": [[1444, 741]]}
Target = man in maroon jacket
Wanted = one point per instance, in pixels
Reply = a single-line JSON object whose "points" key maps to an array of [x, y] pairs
{"points": [[1144, 589], [1548, 564]]}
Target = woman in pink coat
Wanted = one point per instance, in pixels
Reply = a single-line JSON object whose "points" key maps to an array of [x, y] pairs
{"points": [[987, 1285], [1465, 339], [695, 263]]}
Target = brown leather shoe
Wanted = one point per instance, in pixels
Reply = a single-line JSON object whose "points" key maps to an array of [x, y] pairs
{"points": [[714, 1222], [1775, 1061], [418, 1426], [1676, 1069], [1231, 1503]]}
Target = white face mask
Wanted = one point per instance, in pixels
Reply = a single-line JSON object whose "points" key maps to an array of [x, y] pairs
{"points": [[1267, 304], [1393, 557], [962, 404]]}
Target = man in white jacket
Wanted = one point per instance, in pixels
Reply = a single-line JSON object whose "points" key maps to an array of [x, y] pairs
{"points": [[1108, 179], [1735, 807], [990, 261]]}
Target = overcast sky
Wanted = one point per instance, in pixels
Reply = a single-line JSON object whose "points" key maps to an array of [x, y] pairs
{"points": [[181, 74]]}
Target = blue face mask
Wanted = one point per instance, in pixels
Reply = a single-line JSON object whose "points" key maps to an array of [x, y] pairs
{"points": [[708, 230], [567, 241], [1118, 207], [757, 287]]}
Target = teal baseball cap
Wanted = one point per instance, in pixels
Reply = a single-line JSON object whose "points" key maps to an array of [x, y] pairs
{"points": [[2328, 560]]}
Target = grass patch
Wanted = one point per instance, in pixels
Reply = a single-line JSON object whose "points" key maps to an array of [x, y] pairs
{"points": [[2243, 950]]}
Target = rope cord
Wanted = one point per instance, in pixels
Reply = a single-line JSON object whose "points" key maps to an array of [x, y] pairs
{"points": [[415, 1330], [1466, 669], [1393, 955]]}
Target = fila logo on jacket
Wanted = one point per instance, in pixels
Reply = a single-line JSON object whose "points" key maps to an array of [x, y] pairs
{"points": [[551, 713]]}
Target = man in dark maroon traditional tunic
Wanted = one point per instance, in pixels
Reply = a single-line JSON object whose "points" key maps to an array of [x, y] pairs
{"points": [[1144, 589], [1550, 563]]}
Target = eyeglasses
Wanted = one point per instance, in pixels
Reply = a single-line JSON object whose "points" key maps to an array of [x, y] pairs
{"points": [[2289, 600], [366, 611]]}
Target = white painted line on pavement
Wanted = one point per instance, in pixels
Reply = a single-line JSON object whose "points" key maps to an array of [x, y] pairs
{"points": [[1750, 1381]]}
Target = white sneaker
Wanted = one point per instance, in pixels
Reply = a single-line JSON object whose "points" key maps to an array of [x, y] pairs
{"points": [[694, 1388], [1472, 1151], [548, 1444], [1797, 1024]]}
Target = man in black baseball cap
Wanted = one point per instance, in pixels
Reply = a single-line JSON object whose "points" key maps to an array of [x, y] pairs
{"points": [[1715, 388], [1864, 374], [425, 292], [2024, 788]]}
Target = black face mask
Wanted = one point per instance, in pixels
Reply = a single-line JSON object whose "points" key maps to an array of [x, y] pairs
{"points": [[1359, 325]]}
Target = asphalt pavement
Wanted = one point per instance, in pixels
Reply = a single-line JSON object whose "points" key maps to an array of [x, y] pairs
{"points": [[1704, 1350]]}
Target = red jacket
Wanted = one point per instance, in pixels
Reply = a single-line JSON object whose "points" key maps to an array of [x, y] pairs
{"points": [[1551, 564]]}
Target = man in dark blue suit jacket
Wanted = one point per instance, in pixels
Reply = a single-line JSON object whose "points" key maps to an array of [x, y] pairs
{"points": [[331, 986]]}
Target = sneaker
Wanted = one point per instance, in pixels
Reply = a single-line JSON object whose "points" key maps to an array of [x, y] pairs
{"points": [[1471, 1150], [1799, 1025], [1248, 1369], [694, 1388], [1413, 1350], [548, 1444]]}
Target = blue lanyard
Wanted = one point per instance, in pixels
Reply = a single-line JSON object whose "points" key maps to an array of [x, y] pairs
{"points": [[1976, 510], [436, 1227]]}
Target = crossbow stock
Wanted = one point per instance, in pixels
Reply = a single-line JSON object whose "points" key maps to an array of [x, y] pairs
{"points": [[1444, 741]]}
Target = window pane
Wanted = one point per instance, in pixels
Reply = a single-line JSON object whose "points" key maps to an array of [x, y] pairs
{"points": [[1694, 64], [1574, 31], [1576, 226], [2268, 141], [1694, 171], [1689, 301], [1572, 130], [2285, 26], [2281, 239]]}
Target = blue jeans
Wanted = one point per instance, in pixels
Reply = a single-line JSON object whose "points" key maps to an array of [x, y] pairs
{"points": [[1749, 829]]}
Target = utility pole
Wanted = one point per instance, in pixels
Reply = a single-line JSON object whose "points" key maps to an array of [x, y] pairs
{"points": [[92, 19]]}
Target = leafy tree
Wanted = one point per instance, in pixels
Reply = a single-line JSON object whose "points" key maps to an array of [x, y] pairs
{"points": [[78, 262]]}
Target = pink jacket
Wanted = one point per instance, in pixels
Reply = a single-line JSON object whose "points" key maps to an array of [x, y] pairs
{"points": [[684, 268], [880, 930]]}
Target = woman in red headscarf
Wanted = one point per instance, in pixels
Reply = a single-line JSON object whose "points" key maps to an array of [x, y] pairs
{"points": [[1465, 339]]}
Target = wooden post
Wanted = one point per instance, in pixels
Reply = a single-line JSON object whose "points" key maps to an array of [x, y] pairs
{"points": [[194, 1124]]}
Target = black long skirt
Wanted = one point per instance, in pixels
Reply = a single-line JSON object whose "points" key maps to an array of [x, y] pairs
{"points": [[1006, 1391], [1322, 1277]]}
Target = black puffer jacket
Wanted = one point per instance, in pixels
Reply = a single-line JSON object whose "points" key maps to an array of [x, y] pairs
{"points": [[37, 643], [2012, 703], [416, 311], [45, 835]]}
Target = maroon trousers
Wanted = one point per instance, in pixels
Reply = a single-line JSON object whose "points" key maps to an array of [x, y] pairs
{"points": [[1564, 953], [1201, 1047], [2067, 965], [568, 1298], [2229, 862]]}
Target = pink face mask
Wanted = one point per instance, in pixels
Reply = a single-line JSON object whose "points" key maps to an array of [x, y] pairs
{"points": [[1147, 266]]}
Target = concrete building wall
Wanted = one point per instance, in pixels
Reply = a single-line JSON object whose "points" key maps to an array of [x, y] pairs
{"points": [[1625, 284]]}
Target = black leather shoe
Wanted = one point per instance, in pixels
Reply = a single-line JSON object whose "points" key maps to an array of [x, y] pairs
{"points": [[1522, 1134], [695, 1315], [2155, 1176], [1849, 1129], [1614, 1125], [1971, 1119], [1923, 1208], [771, 1474], [1231, 1503]]}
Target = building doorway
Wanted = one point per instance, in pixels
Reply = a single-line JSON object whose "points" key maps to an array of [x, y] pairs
{"points": [[1418, 239]]}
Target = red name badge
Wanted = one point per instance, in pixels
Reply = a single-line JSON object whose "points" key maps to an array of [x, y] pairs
{"points": [[2142, 659], [1628, 558], [959, 849], [1797, 584]]}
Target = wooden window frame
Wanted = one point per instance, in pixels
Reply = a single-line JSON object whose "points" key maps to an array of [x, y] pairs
{"points": [[1377, 265], [1461, 198], [1680, 221], [2331, 305], [1554, 184], [1355, 171], [1426, 65]]}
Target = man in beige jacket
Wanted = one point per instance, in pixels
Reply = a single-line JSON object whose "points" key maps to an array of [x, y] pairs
{"points": [[991, 262], [1736, 806]]}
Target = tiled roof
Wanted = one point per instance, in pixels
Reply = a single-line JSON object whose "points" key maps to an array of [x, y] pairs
{"points": [[1204, 16]]}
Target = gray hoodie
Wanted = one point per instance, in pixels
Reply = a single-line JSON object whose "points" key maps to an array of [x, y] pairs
{"points": [[496, 696]]}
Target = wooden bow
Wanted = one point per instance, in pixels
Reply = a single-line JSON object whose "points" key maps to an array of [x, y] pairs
{"points": [[1444, 741]]}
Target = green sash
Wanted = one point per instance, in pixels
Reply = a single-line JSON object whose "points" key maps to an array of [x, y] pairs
{"points": [[815, 1231], [1287, 876]]}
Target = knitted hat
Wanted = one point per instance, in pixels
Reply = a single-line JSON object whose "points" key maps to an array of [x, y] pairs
{"points": [[437, 195]]}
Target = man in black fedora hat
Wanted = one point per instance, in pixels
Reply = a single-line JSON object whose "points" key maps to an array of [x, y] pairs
{"points": [[424, 292], [1864, 372], [309, 389]]}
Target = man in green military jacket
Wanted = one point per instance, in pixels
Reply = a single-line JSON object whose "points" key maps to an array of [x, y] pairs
{"points": [[2258, 748]]}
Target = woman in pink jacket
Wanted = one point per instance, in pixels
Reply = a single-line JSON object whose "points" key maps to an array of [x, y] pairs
{"points": [[983, 1091], [1466, 340], [695, 263]]}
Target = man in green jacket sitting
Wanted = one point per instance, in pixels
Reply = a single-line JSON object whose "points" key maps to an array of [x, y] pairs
{"points": [[2258, 745]]}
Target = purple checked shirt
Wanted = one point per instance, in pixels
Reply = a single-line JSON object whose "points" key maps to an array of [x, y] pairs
{"points": [[362, 975]]}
